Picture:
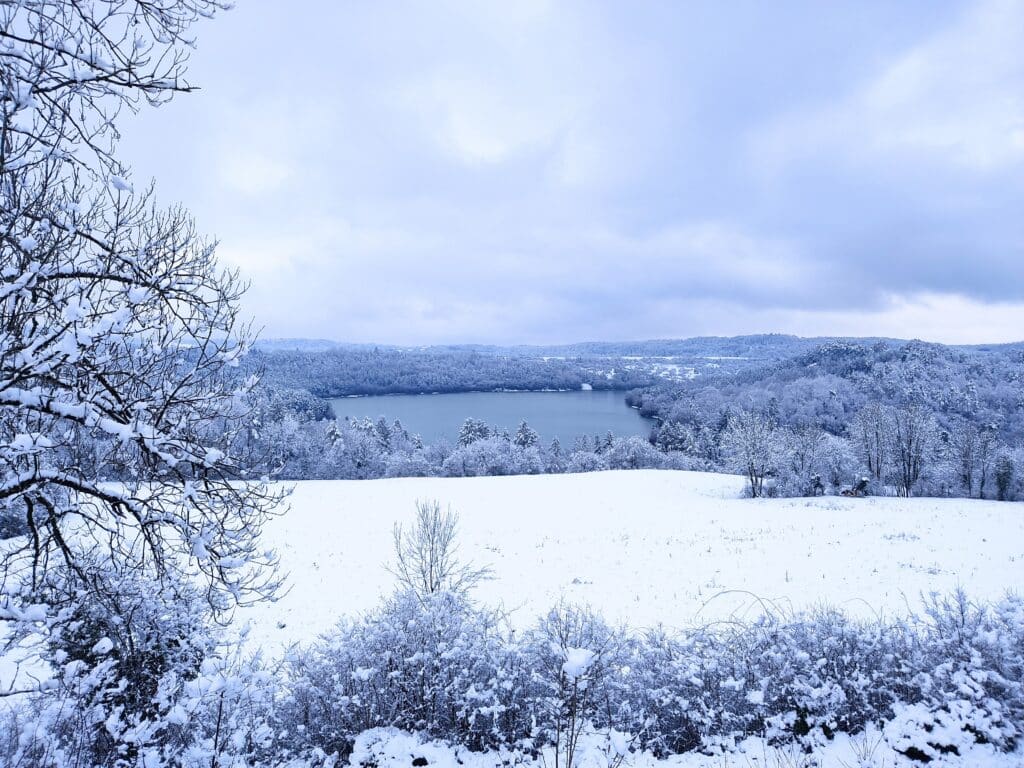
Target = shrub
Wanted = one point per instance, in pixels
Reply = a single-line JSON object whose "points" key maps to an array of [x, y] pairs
{"points": [[430, 663], [451, 671]]}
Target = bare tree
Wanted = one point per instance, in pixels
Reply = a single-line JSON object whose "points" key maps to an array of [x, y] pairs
{"points": [[118, 328], [426, 554], [870, 431], [69, 69], [750, 443], [912, 437], [802, 448]]}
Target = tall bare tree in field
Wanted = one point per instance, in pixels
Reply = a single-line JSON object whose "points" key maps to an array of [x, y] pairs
{"points": [[912, 439], [750, 443]]}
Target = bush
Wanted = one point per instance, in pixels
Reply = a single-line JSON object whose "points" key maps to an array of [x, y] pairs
{"points": [[578, 681], [451, 671], [139, 677], [432, 664], [933, 686]]}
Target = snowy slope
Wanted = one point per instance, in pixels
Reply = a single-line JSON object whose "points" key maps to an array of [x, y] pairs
{"points": [[645, 547], [387, 748]]}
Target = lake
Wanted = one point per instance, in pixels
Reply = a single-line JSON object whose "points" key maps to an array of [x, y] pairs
{"points": [[564, 415]]}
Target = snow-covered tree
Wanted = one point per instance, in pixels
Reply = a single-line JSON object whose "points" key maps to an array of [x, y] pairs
{"points": [[801, 460], [674, 436], [127, 334], [413, 464], [525, 437], [1004, 472], [911, 439], [69, 69], [870, 431], [586, 461], [117, 325], [357, 455], [750, 444], [632, 453], [971, 451], [473, 430], [555, 458], [838, 460]]}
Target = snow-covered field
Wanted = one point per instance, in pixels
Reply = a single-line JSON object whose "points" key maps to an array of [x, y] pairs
{"points": [[645, 547], [387, 748]]}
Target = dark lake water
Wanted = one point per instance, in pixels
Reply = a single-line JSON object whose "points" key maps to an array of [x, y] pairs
{"points": [[564, 415]]}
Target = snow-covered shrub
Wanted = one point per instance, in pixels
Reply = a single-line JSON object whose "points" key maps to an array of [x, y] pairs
{"points": [[118, 657], [972, 687], [818, 674], [927, 734], [229, 712], [679, 698], [442, 667], [585, 461], [432, 663], [579, 677], [138, 676]]}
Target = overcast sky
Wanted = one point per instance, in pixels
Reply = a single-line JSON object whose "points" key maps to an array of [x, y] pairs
{"points": [[560, 171]]}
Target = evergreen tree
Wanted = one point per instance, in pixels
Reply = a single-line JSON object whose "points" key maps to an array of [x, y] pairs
{"points": [[525, 436], [473, 430]]}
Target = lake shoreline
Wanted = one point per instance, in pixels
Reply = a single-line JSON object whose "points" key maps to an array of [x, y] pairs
{"points": [[591, 388]]}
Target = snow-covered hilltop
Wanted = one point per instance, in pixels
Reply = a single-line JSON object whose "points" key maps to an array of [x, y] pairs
{"points": [[643, 547]]}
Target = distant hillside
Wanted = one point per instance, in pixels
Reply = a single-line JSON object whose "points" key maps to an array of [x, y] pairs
{"points": [[817, 380], [758, 346], [827, 384], [295, 345], [330, 369]]}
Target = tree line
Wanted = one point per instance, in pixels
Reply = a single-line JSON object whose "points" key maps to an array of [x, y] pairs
{"points": [[905, 418], [388, 370]]}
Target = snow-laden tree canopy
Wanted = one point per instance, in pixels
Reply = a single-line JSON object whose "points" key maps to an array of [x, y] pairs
{"points": [[119, 331]]}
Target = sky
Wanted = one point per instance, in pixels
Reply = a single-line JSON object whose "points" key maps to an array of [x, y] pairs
{"points": [[543, 172]]}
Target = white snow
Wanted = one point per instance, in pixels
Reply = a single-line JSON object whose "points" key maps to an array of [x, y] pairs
{"points": [[120, 184], [644, 547], [29, 442], [577, 662], [363, 673], [389, 748]]}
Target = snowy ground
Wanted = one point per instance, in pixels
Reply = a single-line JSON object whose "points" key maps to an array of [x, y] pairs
{"points": [[645, 547], [386, 748]]}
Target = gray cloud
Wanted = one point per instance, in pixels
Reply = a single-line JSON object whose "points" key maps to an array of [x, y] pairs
{"points": [[432, 172]]}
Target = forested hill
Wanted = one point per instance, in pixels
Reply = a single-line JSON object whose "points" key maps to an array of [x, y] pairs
{"points": [[741, 366], [765, 346], [331, 369], [380, 370], [825, 386]]}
